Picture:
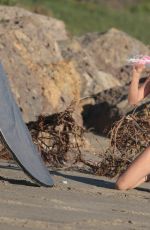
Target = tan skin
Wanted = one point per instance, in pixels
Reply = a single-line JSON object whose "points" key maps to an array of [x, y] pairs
{"points": [[139, 171]]}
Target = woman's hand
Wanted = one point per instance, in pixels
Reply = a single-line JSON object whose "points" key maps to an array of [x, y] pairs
{"points": [[135, 95], [138, 69]]}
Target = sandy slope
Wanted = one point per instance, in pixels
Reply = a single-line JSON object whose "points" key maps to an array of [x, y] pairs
{"points": [[77, 201]]}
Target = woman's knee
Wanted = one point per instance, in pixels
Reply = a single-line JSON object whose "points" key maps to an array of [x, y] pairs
{"points": [[121, 185]]}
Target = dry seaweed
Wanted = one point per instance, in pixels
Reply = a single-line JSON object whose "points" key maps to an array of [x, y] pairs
{"points": [[58, 134], [129, 137], [55, 136]]}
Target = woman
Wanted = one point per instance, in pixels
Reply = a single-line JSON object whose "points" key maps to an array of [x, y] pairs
{"points": [[139, 171]]}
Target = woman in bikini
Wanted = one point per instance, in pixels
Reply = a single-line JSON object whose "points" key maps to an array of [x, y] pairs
{"points": [[139, 171]]}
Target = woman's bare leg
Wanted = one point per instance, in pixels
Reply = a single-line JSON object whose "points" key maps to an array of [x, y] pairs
{"points": [[136, 173]]}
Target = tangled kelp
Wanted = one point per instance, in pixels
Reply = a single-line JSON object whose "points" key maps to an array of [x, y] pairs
{"points": [[129, 137], [55, 136], [58, 134]]}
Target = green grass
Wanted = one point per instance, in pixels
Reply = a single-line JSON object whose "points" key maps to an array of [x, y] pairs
{"points": [[86, 17]]}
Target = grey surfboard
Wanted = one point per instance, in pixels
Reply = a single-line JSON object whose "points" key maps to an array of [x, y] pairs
{"points": [[17, 138]]}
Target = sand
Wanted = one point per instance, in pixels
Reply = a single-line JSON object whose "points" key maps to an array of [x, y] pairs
{"points": [[77, 201]]}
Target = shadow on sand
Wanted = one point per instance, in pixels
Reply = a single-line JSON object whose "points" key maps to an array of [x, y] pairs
{"points": [[15, 181], [87, 180], [82, 179], [18, 182]]}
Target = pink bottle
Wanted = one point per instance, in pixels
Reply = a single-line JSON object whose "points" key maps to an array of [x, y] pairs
{"points": [[140, 59]]}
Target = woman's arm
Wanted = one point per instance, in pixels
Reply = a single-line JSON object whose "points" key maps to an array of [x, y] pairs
{"points": [[136, 94]]}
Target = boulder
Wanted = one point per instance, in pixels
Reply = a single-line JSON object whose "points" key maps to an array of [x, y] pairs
{"points": [[93, 80], [111, 49], [104, 108], [42, 82], [11, 16]]}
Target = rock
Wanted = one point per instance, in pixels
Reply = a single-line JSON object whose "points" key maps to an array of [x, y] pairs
{"points": [[111, 49], [103, 55], [106, 108], [47, 69], [41, 81], [92, 80], [12, 16]]}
